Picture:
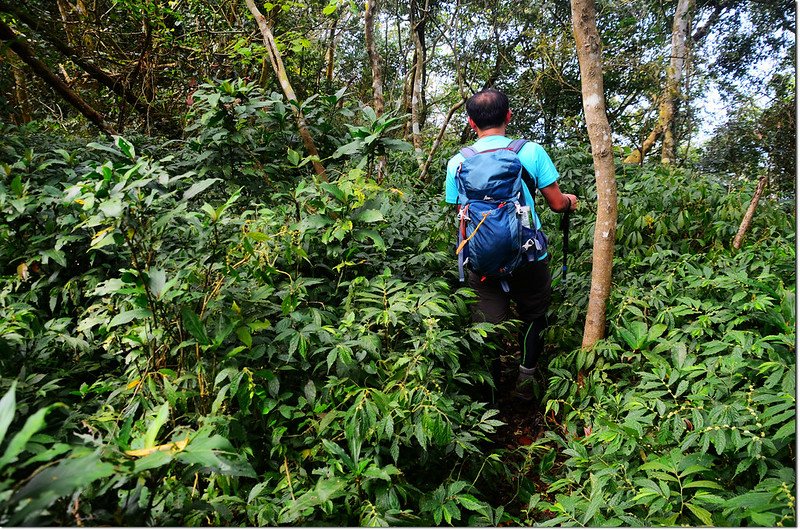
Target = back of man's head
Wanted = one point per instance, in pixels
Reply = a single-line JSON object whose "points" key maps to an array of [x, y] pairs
{"points": [[488, 108]]}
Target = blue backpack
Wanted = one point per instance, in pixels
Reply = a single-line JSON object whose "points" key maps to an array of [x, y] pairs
{"points": [[495, 233]]}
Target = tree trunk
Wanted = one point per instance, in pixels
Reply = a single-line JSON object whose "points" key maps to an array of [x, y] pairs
{"points": [[587, 42], [19, 45], [417, 34], [330, 52], [423, 173], [116, 85], [666, 107], [377, 72], [374, 56], [680, 35], [63, 9], [20, 89], [288, 91], [751, 210]]}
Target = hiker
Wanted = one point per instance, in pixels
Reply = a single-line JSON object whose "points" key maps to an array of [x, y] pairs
{"points": [[528, 283]]}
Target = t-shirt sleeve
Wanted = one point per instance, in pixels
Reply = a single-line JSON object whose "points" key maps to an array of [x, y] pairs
{"points": [[538, 163], [450, 188]]}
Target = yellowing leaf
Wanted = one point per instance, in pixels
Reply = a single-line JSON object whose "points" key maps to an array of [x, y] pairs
{"points": [[22, 271], [172, 446], [134, 383]]}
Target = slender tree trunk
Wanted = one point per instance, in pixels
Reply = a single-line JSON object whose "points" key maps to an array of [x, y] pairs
{"points": [[288, 91], [666, 107], [374, 56], [63, 9], [751, 210], [19, 45], [423, 173], [20, 89], [377, 72], [680, 36], [587, 42], [417, 33], [330, 52]]}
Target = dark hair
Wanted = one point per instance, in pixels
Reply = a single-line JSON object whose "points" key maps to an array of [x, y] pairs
{"points": [[488, 108]]}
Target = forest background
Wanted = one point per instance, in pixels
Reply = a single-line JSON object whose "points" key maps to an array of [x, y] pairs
{"points": [[228, 292]]}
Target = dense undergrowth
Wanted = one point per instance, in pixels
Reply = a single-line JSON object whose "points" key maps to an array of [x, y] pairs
{"points": [[202, 334]]}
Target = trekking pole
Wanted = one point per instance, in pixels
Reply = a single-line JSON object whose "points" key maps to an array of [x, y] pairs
{"points": [[565, 246]]}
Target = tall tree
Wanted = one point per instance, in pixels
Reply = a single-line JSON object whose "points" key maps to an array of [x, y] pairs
{"points": [[377, 72], [587, 42], [669, 98], [419, 17], [286, 85]]}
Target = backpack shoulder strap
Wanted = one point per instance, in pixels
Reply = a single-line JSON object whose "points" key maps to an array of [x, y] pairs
{"points": [[516, 145], [467, 152]]}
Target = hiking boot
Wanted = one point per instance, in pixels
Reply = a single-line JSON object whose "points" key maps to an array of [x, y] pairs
{"points": [[527, 387]]}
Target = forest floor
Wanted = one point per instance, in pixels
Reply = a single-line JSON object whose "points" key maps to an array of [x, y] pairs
{"points": [[524, 423]]}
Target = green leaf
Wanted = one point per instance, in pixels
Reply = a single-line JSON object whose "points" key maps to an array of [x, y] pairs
{"points": [[56, 255], [157, 281], [351, 148], [55, 482], [17, 444], [198, 187], [194, 326], [701, 513], [362, 235], [334, 190], [293, 156], [369, 216], [7, 408], [127, 316], [703, 484], [787, 430], [125, 146], [471, 503], [152, 430]]}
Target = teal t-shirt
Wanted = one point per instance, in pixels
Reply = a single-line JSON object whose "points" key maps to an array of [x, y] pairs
{"points": [[532, 156]]}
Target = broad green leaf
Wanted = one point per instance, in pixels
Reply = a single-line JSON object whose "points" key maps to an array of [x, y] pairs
{"points": [[32, 425], [701, 513], [703, 484], [127, 316], [55, 482], [198, 187], [157, 281], [194, 326], [334, 190], [7, 407], [152, 430], [369, 216], [351, 148]]}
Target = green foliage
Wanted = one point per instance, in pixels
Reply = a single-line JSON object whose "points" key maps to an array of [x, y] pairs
{"points": [[686, 413], [177, 349], [221, 362]]}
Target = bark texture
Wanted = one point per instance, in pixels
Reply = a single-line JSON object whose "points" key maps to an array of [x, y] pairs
{"points": [[417, 36], [286, 86], [751, 210], [19, 45], [374, 56], [377, 72], [20, 89], [672, 91], [587, 42]]}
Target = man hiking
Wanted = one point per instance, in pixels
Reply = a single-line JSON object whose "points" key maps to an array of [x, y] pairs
{"points": [[485, 181]]}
